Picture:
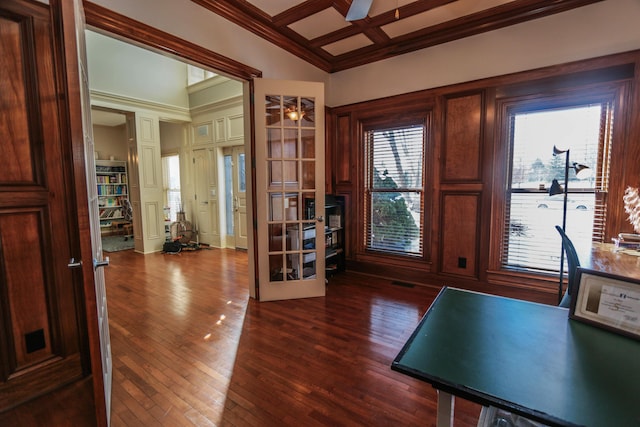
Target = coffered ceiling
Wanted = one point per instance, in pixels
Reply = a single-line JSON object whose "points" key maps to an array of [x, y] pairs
{"points": [[317, 31]]}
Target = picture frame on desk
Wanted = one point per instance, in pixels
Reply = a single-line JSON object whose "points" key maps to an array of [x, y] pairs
{"points": [[607, 301]]}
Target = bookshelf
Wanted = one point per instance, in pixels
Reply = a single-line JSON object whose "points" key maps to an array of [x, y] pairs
{"points": [[113, 187]]}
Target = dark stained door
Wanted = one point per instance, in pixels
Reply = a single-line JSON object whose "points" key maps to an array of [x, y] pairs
{"points": [[42, 318]]}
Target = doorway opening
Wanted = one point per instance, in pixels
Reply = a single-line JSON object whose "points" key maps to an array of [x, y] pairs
{"points": [[181, 112]]}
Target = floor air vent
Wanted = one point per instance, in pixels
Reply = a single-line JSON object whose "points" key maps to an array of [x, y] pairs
{"points": [[403, 284]]}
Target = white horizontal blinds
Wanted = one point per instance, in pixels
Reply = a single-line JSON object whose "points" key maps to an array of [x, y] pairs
{"points": [[601, 174], [395, 190], [530, 240]]}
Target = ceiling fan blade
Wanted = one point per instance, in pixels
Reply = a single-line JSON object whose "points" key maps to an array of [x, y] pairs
{"points": [[358, 9]]}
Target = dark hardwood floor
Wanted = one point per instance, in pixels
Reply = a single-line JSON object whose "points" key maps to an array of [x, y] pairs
{"points": [[191, 349]]}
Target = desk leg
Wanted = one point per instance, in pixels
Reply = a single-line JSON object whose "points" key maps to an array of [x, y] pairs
{"points": [[445, 409]]}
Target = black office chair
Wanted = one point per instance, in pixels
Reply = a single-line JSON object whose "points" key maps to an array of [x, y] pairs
{"points": [[572, 263]]}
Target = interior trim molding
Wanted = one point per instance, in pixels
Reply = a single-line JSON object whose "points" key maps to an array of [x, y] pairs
{"points": [[235, 101], [123, 27], [111, 100]]}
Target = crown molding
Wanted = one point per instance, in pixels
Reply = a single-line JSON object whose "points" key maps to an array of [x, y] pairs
{"points": [[126, 103]]}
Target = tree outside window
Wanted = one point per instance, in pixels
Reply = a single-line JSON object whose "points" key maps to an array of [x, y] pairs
{"points": [[395, 190]]}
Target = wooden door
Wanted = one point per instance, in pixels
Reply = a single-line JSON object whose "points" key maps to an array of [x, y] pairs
{"points": [[289, 152], [43, 327]]}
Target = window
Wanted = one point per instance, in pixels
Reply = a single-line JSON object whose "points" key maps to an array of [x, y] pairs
{"points": [[530, 239], [197, 75], [394, 190], [171, 179]]}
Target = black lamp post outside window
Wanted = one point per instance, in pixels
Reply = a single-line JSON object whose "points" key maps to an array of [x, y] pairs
{"points": [[582, 171]]}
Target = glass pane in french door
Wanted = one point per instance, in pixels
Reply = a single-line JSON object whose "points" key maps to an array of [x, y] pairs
{"points": [[291, 188]]}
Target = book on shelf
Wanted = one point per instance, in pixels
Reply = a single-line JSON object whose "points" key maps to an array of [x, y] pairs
{"points": [[335, 221]]}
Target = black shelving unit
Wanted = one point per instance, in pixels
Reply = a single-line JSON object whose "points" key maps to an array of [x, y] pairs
{"points": [[334, 234]]}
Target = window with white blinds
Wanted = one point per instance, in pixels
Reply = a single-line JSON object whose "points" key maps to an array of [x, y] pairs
{"points": [[171, 184], [394, 189], [583, 132]]}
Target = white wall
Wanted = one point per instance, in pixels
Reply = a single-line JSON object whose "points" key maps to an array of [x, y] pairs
{"points": [[595, 30], [110, 141], [123, 69]]}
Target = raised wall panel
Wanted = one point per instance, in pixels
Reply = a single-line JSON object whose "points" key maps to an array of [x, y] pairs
{"points": [[236, 127], [202, 133], [462, 139], [25, 289], [459, 233], [342, 151], [150, 173], [152, 215], [147, 133], [16, 152], [221, 134]]}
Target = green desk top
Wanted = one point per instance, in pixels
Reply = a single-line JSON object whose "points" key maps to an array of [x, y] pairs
{"points": [[525, 357]]}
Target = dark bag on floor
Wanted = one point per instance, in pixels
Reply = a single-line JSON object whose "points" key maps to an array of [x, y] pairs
{"points": [[172, 247]]}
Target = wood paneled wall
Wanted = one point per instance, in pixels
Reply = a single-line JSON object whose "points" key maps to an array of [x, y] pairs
{"points": [[466, 159]]}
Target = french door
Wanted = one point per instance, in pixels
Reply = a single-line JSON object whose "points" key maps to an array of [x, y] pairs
{"points": [[289, 189], [102, 364]]}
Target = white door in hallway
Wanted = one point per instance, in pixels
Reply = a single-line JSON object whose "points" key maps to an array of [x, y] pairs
{"points": [[203, 163], [235, 197]]}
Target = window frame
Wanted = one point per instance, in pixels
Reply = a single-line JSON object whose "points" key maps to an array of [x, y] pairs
{"points": [[545, 98], [380, 124]]}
